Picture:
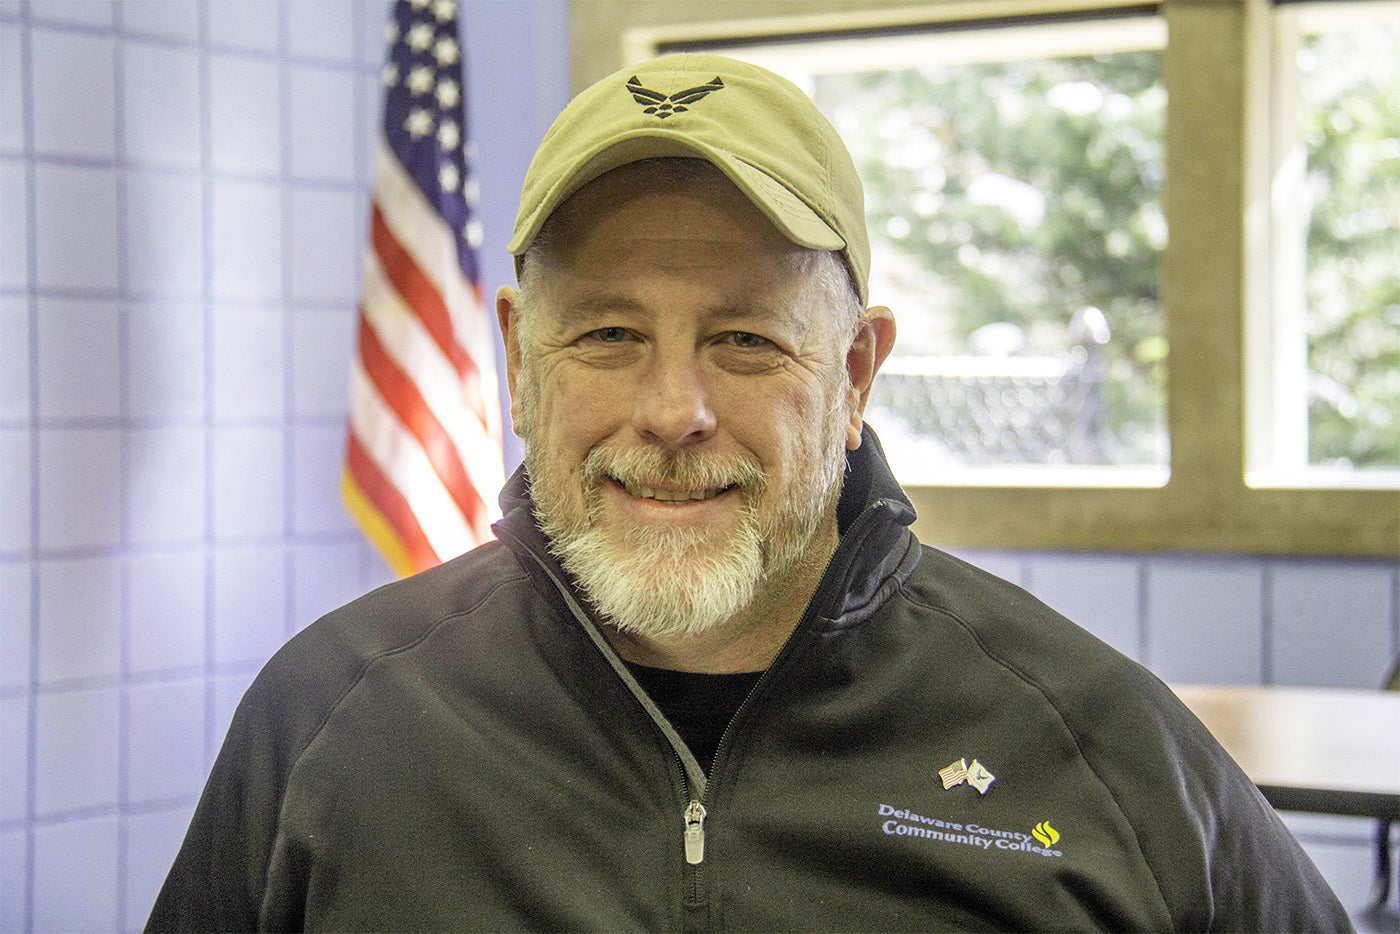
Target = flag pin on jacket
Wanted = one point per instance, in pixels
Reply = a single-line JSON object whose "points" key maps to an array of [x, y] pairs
{"points": [[975, 774]]}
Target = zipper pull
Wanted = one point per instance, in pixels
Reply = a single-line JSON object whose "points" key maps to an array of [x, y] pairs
{"points": [[695, 833]]}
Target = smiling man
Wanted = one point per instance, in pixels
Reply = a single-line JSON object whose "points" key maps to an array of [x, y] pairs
{"points": [[707, 679]]}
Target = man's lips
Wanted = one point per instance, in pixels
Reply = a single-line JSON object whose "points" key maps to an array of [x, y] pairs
{"points": [[670, 494]]}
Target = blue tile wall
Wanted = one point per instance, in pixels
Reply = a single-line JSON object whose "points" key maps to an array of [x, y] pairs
{"points": [[11, 89], [163, 235], [14, 241], [15, 489], [321, 122], [1108, 609], [249, 623], [80, 621], [325, 244], [165, 375], [247, 240], [79, 359], [1333, 623], [249, 483], [1216, 602], [171, 19], [184, 189], [160, 104], [80, 490], [164, 740], [14, 764], [77, 875], [245, 114], [75, 228], [164, 591], [73, 83], [16, 618]]}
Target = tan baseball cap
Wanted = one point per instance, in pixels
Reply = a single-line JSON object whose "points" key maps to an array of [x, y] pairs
{"points": [[760, 129]]}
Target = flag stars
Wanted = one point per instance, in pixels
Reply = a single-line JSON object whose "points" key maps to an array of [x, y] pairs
{"points": [[419, 123], [391, 33], [445, 10], [446, 51], [473, 233], [449, 135], [449, 178], [420, 37], [419, 4], [420, 80], [448, 93], [390, 74]]}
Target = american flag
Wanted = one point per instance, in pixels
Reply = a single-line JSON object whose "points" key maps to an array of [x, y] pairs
{"points": [[954, 774], [423, 461]]}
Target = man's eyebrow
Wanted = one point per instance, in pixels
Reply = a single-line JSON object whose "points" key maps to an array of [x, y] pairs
{"points": [[601, 304]]}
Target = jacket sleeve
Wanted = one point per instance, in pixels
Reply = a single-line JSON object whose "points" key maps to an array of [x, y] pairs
{"points": [[1259, 876], [1222, 857], [219, 874], [224, 877]]}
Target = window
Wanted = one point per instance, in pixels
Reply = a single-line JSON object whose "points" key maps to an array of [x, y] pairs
{"points": [[1219, 135], [1325, 355], [1013, 179]]}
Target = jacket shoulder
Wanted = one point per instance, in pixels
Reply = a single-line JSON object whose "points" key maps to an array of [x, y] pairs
{"points": [[1212, 841], [220, 877]]}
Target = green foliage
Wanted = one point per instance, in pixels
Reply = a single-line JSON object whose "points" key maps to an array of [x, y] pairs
{"points": [[1022, 192], [1350, 122]]}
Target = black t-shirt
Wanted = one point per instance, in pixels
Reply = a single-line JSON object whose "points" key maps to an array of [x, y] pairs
{"points": [[698, 705]]}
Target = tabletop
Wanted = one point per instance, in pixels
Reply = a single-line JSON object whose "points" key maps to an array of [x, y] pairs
{"points": [[1327, 750]]}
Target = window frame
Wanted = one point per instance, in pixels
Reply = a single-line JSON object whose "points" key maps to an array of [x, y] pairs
{"points": [[1214, 283]]}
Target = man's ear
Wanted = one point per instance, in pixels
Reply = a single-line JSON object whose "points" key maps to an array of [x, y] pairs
{"points": [[507, 308], [873, 343]]}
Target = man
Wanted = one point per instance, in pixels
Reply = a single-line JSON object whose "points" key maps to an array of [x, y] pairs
{"points": [[707, 678]]}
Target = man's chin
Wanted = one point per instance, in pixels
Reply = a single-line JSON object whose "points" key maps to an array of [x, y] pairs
{"points": [[665, 582]]}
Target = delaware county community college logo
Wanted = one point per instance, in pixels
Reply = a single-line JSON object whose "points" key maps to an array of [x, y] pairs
{"points": [[665, 105], [1045, 833], [902, 822]]}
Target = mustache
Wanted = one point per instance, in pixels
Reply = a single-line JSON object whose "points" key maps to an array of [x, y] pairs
{"points": [[661, 467]]}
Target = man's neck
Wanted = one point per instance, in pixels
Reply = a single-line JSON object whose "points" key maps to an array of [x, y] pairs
{"points": [[748, 641]]}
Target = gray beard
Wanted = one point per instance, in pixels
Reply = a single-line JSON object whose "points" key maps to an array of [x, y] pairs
{"points": [[667, 583]]}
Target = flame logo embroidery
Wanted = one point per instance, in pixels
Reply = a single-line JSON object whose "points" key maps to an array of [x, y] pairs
{"points": [[1046, 834]]}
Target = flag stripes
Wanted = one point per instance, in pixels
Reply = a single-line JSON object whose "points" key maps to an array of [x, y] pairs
{"points": [[423, 457]]}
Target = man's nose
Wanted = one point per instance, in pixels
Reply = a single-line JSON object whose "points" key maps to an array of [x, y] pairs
{"points": [[674, 406]]}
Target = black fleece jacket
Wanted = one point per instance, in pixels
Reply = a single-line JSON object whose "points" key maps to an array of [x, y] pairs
{"points": [[461, 751]]}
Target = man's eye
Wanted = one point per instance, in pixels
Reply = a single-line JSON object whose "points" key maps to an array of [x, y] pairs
{"points": [[746, 339], [609, 335]]}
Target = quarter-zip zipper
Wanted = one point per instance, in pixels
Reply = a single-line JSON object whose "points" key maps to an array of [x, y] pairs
{"points": [[695, 786], [695, 833]]}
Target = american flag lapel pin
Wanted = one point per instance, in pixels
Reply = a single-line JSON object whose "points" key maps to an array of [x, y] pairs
{"points": [[954, 774]]}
